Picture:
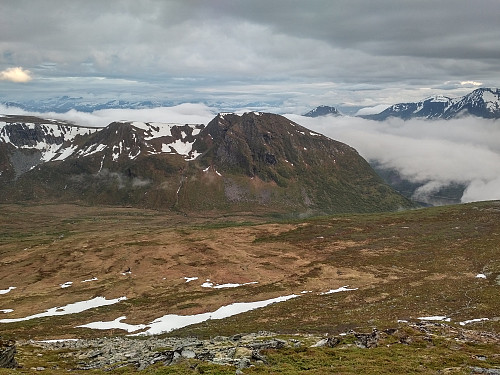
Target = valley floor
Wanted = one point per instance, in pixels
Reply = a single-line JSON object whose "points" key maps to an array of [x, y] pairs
{"points": [[433, 275]]}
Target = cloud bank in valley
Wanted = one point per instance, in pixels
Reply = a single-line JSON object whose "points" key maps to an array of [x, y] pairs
{"points": [[187, 113], [433, 153]]}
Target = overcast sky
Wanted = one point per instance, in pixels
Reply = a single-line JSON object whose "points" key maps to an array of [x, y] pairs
{"points": [[289, 54]]}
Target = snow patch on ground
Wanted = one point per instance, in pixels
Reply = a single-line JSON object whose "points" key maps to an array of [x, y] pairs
{"points": [[89, 280], [72, 308], [472, 321], [171, 322], [67, 284], [437, 318], [114, 324], [341, 289], [6, 311], [189, 279], [480, 276], [5, 291], [209, 284], [66, 152]]}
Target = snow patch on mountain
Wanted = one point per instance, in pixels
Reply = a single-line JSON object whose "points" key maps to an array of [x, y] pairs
{"points": [[483, 102], [49, 138]]}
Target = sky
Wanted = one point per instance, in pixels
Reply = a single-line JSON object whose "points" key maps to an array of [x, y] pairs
{"points": [[290, 55], [280, 56]]}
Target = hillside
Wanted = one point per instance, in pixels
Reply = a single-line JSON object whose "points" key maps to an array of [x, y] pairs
{"points": [[255, 161], [426, 279]]}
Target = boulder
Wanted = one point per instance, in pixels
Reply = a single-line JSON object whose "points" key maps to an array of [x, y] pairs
{"points": [[7, 353]]}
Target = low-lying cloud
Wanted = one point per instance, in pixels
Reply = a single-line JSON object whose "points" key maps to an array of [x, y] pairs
{"points": [[186, 113], [16, 74], [433, 153]]}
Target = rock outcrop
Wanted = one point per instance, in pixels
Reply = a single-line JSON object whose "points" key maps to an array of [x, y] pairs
{"points": [[240, 351], [7, 354]]}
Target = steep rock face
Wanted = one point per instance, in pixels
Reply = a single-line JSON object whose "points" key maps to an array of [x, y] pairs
{"points": [[255, 161], [284, 162], [31, 141]]}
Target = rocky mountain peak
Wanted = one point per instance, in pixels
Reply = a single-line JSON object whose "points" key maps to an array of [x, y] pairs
{"points": [[482, 102], [323, 110]]}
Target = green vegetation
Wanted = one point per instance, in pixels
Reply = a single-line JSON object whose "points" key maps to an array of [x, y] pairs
{"points": [[405, 265]]}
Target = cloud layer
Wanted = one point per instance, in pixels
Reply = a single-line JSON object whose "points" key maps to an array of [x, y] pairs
{"points": [[291, 54], [434, 153]]}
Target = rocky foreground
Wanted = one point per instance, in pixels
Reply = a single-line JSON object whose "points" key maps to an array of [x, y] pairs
{"points": [[243, 351], [111, 353]]}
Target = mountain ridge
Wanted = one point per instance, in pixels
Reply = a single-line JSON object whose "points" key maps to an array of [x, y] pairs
{"points": [[323, 110], [482, 102], [235, 162]]}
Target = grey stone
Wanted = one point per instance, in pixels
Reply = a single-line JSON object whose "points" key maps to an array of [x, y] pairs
{"points": [[7, 354], [243, 363], [487, 371], [188, 353], [109, 353], [369, 340]]}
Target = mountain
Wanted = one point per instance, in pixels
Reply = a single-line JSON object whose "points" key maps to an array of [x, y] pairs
{"points": [[323, 110], [236, 162], [64, 104], [483, 102]]}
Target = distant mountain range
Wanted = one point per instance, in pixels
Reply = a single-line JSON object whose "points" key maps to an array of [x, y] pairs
{"points": [[237, 162], [484, 102], [64, 104]]}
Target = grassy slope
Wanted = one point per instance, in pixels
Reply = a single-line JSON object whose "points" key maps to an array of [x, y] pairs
{"points": [[405, 265]]}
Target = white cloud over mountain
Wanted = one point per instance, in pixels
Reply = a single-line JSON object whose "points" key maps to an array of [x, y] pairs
{"points": [[433, 152]]}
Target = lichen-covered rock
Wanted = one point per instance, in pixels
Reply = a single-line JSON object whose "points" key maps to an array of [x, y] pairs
{"points": [[7, 354]]}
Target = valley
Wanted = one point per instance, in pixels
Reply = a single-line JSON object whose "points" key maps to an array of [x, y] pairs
{"points": [[347, 273]]}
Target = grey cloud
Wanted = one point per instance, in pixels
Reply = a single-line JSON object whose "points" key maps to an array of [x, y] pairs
{"points": [[222, 43]]}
